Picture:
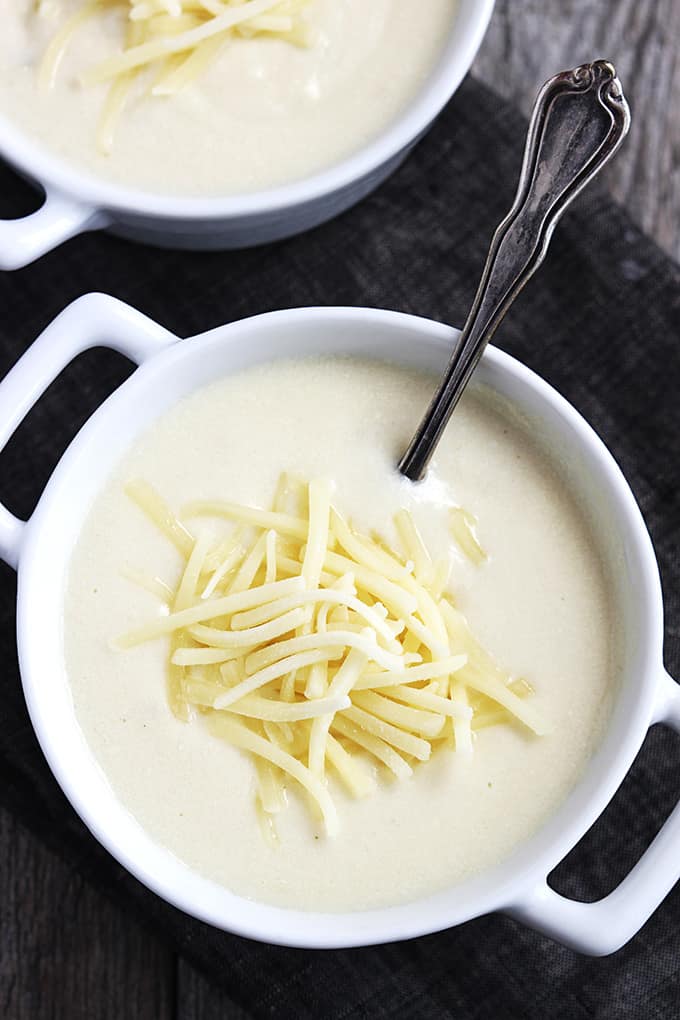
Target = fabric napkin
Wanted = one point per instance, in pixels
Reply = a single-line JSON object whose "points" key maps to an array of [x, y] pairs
{"points": [[601, 322]]}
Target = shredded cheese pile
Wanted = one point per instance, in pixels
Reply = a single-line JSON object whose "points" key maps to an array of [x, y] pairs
{"points": [[171, 42], [311, 646]]}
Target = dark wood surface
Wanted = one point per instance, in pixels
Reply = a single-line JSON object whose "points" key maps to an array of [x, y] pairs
{"points": [[65, 951], [529, 40]]}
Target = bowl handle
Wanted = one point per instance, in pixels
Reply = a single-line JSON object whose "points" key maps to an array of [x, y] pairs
{"points": [[58, 218], [603, 927], [95, 320]]}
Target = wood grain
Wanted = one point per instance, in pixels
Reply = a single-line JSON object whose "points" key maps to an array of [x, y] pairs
{"points": [[529, 40], [65, 952]]}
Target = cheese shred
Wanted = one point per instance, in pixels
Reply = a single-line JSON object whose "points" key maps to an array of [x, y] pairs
{"points": [[171, 42], [307, 645]]}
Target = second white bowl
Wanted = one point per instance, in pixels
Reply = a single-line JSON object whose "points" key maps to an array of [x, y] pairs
{"points": [[76, 201]]}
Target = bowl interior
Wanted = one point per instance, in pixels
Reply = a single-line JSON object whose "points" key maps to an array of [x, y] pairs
{"points": [[409, 341], [49, 170]]}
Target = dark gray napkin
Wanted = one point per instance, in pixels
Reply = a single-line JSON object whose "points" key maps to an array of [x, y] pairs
{"points": [[602, 323]]}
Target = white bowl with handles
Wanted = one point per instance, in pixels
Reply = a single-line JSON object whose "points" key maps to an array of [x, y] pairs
{"points": [[76, 201], [40, 549]]}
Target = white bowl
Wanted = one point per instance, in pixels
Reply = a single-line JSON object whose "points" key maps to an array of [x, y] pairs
{"points": [[76, 201], [170, 369]]}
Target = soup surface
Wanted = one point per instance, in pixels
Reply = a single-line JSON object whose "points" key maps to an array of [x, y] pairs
{"points": [[539, 604], [264, 113]]}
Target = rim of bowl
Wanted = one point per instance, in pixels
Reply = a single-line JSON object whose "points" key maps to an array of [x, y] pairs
{"points": [[50, 171], [425, 915]]}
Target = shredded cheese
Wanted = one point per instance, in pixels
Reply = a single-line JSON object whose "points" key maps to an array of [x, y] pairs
{"points": [[170, 41], [464, 530], [306, 657]]}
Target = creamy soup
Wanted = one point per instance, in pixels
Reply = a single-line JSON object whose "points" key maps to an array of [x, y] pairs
{"points": [[264, 113], [538, 604]]}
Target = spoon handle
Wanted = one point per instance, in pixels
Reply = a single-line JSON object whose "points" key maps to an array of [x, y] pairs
{"points": [[578, 122]]}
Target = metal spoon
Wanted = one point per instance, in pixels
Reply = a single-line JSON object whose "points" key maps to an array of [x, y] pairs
{"points": [[578, 122]]}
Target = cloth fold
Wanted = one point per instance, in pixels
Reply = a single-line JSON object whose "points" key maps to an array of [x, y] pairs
{"points": [[601, 322]]}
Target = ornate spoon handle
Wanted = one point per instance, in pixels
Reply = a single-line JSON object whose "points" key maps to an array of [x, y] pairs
{"points": [[578, 123]]}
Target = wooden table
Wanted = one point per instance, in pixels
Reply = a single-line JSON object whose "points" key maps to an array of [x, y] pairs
{"points": [[65, 951]]}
